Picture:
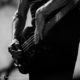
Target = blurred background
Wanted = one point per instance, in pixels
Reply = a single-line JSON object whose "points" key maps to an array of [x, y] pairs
{"points": [[7, 9]]}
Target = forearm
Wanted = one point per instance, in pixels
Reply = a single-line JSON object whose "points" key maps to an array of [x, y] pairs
{"points": [[17, 27], [19, 18], [23, 8], [50, 6], [43, 12]]}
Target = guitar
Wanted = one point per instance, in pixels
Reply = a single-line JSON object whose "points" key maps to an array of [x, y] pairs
{"points": [[28, 48]]}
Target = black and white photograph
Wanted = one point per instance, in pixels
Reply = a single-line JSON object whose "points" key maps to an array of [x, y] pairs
{"points": [[39, 39]]}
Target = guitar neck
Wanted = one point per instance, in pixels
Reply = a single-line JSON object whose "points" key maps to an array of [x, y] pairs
{"points": [[28, 43]]}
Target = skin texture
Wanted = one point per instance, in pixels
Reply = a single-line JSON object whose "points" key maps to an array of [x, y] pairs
{"points": [[44, 11], [23, 9], [20, 18], [40, 14]]}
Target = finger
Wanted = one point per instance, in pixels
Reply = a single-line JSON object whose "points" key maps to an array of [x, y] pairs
{"points": [[16, 53], [15, 56]]}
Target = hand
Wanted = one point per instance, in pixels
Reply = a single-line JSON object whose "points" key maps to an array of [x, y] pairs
{"points": [[14, 49]]}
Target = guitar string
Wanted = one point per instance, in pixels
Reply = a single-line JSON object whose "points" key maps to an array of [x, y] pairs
{"points": [[29, 43], [26, 42], [28, 46]]}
